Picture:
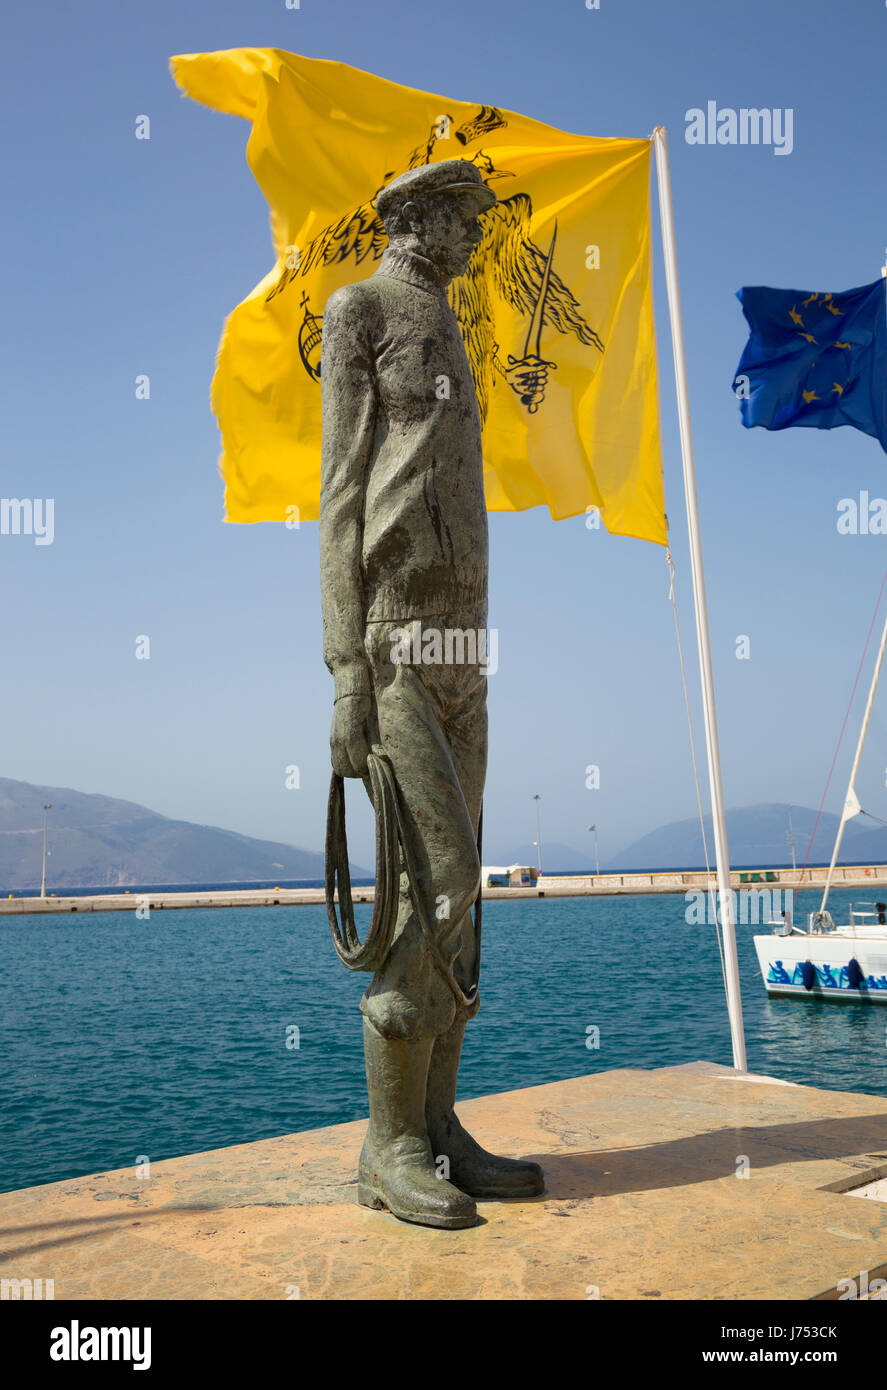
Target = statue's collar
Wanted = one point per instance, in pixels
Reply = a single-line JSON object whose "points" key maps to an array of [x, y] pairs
{"points": [[414, 269]]}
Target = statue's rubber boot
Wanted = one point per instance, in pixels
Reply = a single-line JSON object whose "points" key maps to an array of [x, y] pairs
{"points": [[471, 1168], [397, 1167]]}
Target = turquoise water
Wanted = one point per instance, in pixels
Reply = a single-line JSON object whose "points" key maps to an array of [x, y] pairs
{"points": [[120, 1037]]}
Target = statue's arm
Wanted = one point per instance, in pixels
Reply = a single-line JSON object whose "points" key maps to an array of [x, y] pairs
{"points": [[349, 414]]}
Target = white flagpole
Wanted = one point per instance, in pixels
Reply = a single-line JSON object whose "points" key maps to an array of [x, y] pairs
{"points": [[725, 894]]}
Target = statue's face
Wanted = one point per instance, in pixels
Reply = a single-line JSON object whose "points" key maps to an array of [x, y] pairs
{"points": [[447, 230]]}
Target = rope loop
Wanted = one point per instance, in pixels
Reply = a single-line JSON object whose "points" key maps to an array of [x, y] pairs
{"points": [[373, 952], [392, 846]]}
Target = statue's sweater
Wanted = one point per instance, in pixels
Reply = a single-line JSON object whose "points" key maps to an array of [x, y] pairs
{"points": [[403, 523]]}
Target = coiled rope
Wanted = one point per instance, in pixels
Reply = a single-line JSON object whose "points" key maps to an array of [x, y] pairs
{"points": [[392, 842]]}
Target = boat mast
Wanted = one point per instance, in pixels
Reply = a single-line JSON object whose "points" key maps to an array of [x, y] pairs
{"points": [[725, 891], [851, 802]]}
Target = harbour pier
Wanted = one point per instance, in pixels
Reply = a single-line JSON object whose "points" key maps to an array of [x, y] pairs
{"points": [[869, 877]]}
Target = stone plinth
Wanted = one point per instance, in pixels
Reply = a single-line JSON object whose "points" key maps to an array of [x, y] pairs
{"points": [[643, 1202]]}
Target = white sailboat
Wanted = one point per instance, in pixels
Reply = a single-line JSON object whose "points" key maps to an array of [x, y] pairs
{"points": [[826, 960]]}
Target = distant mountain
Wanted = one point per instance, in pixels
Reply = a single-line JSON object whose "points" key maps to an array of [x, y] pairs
{"points": [[98, 841], [756, 836]]}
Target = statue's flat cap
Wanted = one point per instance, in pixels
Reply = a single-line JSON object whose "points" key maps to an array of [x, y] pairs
{"points": [[449, 176]]}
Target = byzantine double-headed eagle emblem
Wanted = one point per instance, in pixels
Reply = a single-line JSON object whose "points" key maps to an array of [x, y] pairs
{"points": [[507, 262]]}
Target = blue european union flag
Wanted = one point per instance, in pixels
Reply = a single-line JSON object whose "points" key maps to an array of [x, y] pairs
{"points": [[815, 359]]}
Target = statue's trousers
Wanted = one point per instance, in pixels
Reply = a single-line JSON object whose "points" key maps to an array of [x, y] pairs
{"points": [[432, 722]]}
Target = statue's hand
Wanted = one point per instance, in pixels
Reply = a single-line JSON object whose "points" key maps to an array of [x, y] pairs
{"points": [[350, 735]]}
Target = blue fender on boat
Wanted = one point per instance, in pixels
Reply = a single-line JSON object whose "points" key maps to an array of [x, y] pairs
{"points": [[808, 974], [855, 977]]}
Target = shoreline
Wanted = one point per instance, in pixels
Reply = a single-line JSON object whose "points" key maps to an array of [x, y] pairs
{"points": [[556, 886]]}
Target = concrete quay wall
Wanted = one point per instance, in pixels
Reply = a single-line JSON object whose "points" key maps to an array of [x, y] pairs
{"points": [[872, 878]]}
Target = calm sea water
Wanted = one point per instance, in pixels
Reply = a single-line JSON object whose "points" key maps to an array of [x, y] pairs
{"points": [[121, 1037]]}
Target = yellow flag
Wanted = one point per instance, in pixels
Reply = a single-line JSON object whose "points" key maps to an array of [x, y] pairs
{"points": [[555, 308]]}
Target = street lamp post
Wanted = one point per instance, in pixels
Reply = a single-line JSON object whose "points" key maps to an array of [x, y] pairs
{"points": [[537, 798], [791, 839], [46, 811], [597, 862]]}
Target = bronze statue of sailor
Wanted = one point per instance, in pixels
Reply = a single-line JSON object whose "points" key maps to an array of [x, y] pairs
{"points": [[403, 556]]}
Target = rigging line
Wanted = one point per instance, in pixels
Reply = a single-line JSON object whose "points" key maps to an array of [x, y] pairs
{"points": [[843, 727], [677, 627]]}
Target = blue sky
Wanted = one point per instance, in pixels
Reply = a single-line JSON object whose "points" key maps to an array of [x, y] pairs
{"points": [[123, 257]]}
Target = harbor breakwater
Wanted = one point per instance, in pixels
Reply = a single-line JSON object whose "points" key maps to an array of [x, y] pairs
{"points": [[869, 877]]}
